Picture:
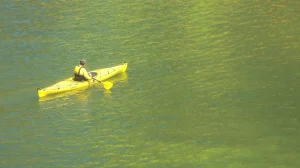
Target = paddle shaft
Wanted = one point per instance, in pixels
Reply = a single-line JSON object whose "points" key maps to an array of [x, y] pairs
{"points": [[97, 80]]}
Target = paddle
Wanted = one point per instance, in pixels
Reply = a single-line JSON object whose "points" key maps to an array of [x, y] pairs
{"points": [[107, 85]]}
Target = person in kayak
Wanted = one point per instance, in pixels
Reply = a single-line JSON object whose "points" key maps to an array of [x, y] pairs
{"points": [[80, 73]]}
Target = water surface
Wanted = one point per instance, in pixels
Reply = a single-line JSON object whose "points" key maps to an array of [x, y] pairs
{"points": [[209, 84]]}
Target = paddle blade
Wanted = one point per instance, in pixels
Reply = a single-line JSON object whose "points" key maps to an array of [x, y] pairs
{"points": [[107, 85]]}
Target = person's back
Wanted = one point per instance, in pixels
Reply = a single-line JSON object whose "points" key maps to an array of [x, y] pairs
{"points": [[80, 73]]}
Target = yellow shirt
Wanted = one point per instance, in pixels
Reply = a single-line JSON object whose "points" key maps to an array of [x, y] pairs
{"points": [[82, 72]]}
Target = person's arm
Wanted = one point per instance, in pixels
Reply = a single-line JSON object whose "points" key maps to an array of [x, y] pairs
{"points": [[86, 75]]}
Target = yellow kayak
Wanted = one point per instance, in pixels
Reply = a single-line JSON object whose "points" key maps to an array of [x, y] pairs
{"points": [[69, 84]]}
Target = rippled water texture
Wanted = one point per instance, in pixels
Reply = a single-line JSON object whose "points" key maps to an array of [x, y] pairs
{"points": [[209, 84]]}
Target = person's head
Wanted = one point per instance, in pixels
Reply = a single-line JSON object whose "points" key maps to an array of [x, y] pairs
{"points": [[82, 62]]}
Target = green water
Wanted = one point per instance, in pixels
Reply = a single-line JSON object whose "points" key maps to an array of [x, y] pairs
{"points": [[209, 84]]}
